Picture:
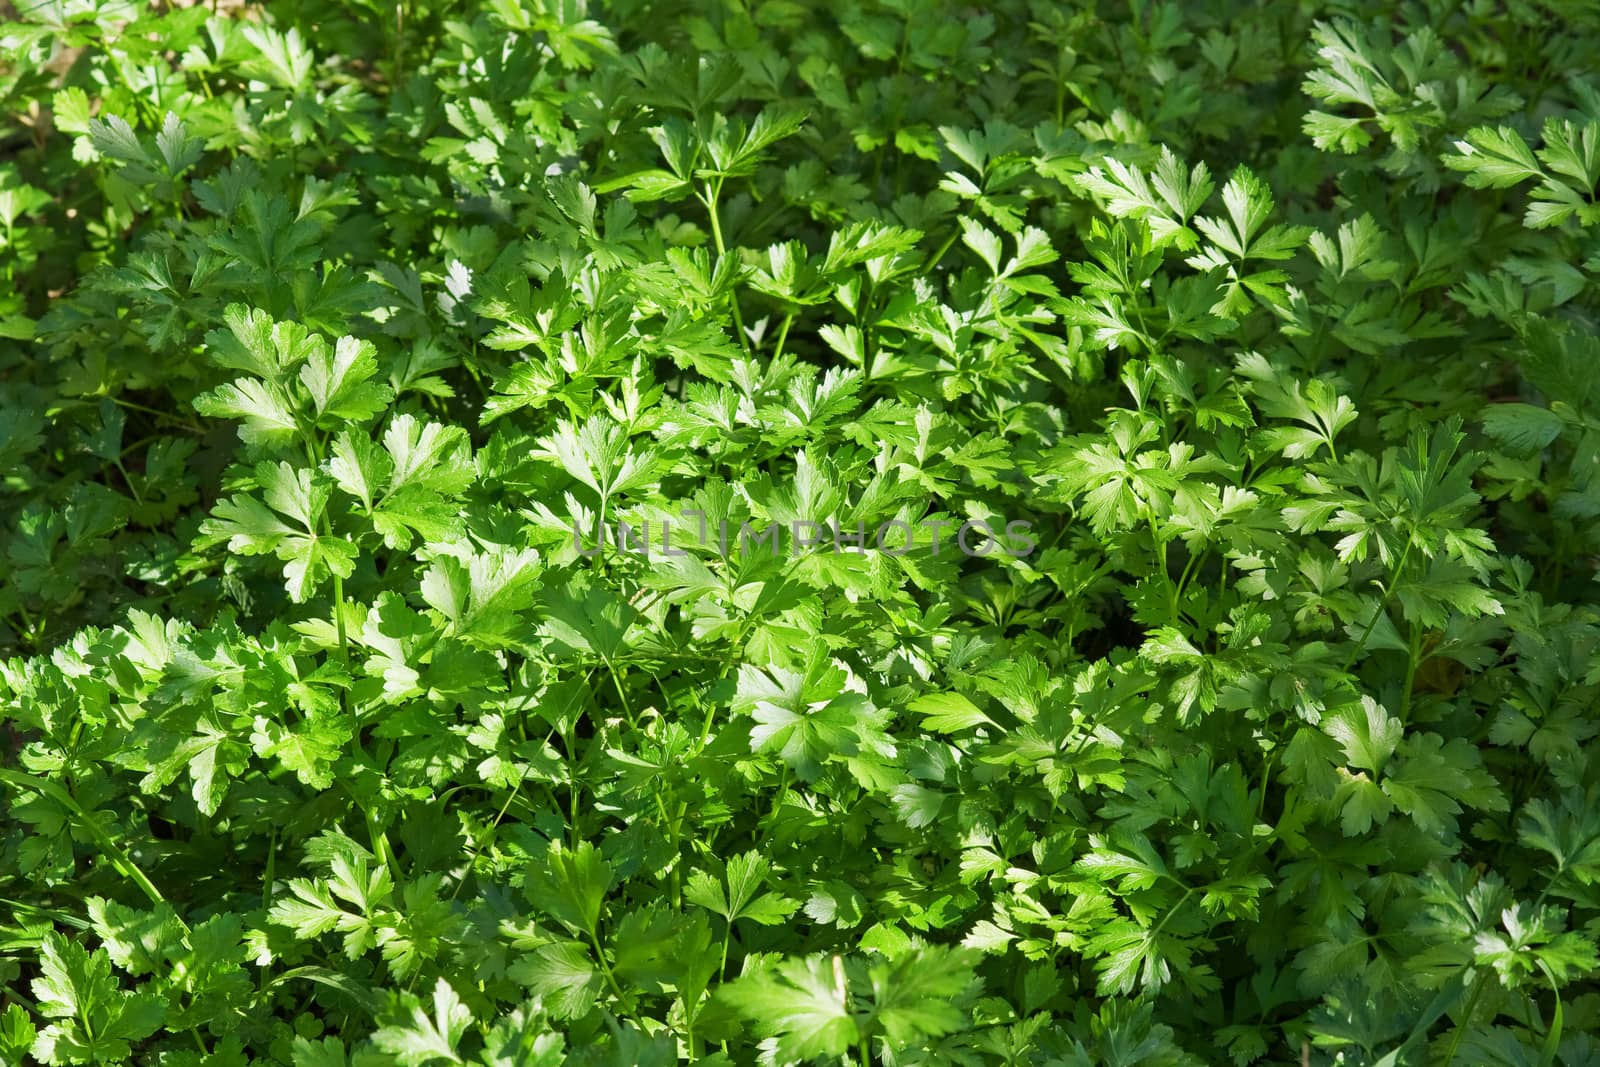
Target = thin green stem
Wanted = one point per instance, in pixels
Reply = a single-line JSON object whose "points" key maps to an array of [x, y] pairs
{"points": [[477, 846], [338, 616], [266, 892], [13, 997], [570, 743], [193, 427], [1413, 650], [616, 681], [381, 847], [783, 335], [120, 859], [1383, 605], [399, 50], [674, 827], [1161, 560], [62, 917], [709, 199], [605, 968], [1187, 893], [1183, 579], [1466, 1017], [31, 632], [272, 868], [138, 498], [734, 648], [1266, 780], [939, 255]]}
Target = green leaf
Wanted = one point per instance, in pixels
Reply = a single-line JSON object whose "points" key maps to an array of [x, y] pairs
{"points": [[93, 1020], [570, 885], [1522, 428], [339, 384], [1367, 733], [562, 975], [255, 343], [264, 409], [1166, 197], [921, 994], [417, 1037], [1493, 158], [949, 713], [801, 1002], [329, 1052], [744, 878]]}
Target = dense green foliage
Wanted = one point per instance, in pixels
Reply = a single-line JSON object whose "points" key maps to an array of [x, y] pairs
{"points": [[327, 742]]}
